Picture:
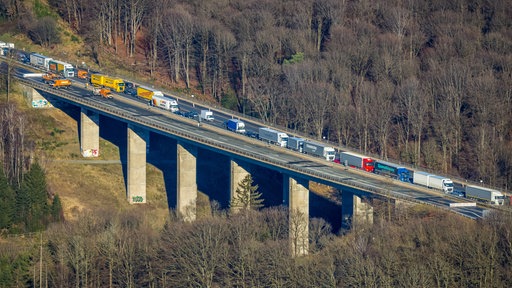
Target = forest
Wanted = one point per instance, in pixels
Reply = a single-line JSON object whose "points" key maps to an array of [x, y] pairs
{"points": [[427, 83], [251, 249]]}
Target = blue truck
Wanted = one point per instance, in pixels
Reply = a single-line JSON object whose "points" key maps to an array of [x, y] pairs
{"points": [[235, 125], [392, 170]]}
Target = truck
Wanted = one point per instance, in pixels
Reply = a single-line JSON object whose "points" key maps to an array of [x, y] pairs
{"points": [[48, 77], [40, 61], [487, 195], [295, 143], [60, 83], [272, 136], [432, 181], [392, 170], [165, 103], [236, 125], [148, 93], [357, 161], [82, 74], [61, 68], [319, 149], [440, 183], [206, 115], [116, 84], [103, 92], [6, 45]]}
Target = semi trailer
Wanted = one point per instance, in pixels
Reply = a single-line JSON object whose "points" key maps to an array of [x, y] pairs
{"points": [[148, 93], [392, 170], [165, 103], [272, 136], [295, 143], [488, 195], [40, 61], [432, 181], [61, 68], [357, 161], [116, 84], [320, 150]]}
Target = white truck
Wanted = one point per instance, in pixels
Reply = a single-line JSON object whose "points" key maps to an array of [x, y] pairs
{"points": [[165, 103], [206, 115], [320, 150], [491, 196], [40, 61], [235, 125], [295, 143], [432, 181], [273, 136]]}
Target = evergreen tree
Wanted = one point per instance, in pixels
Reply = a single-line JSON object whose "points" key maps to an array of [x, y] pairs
{"points": [[247, 196], [32, 199], [8, 202], [56, 209]]}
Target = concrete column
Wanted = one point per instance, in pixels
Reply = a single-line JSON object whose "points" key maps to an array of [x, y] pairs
{"points": [[238, 173], [354, 212], [298, 205], [186, 181], [89, 133], [136, 170]]}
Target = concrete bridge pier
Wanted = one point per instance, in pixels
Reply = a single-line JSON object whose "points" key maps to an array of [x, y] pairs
{"points": [[296, 195], [89, 133], [354, 212], [34, 98], [186, 181], [136, 170], [239, 170]]}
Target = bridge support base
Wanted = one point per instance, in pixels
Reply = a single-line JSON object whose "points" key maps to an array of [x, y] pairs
{"points": [[136, 188], [354, 212], [89, 133], [297, 191], [187, 182], [238, 172]]}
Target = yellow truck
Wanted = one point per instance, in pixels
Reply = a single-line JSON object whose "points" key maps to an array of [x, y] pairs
{"points": [[116, 84], [148, 93]]}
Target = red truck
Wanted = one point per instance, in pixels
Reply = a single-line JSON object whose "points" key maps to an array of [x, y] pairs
{"points": [[357, 161]]}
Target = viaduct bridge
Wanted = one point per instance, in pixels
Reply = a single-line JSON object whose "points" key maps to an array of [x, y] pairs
{"points": [[184, 139]]}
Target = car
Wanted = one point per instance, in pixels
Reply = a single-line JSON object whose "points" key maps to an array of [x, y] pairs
{"points": [[251, 134], [179, 113], [457, 193], [130, 89], [191, 114]]}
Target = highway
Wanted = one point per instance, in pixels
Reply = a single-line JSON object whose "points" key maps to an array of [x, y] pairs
{"points": [[215, 136]]}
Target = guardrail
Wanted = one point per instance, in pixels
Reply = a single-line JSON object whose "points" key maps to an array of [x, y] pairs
{"points": [[231, 149]]}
